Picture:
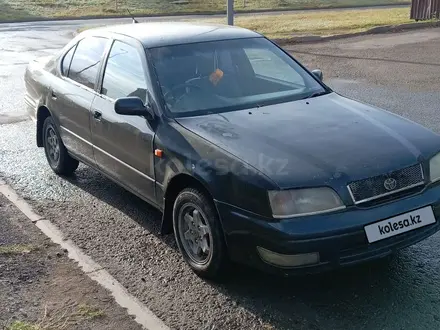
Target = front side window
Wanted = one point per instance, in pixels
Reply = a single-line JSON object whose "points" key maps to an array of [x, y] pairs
{"points": [[124, 74], [229, 75], [85, 63], [67, 60]]}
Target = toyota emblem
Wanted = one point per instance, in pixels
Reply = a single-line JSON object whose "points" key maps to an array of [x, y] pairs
{"points": [[390, 184]]}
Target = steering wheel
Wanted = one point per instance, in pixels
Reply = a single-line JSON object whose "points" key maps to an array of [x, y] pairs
{"points": [[179, 87]]}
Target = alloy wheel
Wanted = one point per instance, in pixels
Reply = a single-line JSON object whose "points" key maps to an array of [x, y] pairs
{"points": [[53, 145], [195, 233]]}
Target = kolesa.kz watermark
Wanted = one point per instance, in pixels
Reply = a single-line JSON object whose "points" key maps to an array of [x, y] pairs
{"points": [[390, 227]]}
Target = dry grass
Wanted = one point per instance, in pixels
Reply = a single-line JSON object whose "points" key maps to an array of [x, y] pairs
{"points": [[60, 319], [15, 9], [315, 23], [322, 23]]}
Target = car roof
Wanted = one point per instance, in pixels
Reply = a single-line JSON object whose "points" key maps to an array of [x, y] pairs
{"points": [[158, 34]]}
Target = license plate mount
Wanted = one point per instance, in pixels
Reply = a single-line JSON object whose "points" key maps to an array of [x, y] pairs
{"points": [[399, 224]]}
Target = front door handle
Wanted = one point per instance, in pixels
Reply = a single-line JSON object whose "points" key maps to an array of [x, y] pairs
{"points": [[54, 96], [97, 115]]}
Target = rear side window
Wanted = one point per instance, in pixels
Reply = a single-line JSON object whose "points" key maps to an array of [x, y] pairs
{"points": [[67, 60], [85, 63], [124, 74]]}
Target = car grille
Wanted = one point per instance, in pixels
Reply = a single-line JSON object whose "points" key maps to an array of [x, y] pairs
{"points": [[373, 188]]}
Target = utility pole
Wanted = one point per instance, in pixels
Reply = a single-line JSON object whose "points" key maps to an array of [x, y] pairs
{"points": [[230, 11]]}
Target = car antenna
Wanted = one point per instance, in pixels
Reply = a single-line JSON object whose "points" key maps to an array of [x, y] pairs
{"points": [[134, 19]]}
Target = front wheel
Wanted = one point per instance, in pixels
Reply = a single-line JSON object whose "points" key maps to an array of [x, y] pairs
{"points": [[56, 153], [199, 235]]}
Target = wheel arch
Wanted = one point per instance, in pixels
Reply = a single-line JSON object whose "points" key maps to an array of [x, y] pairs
{"points": [[42, 113], [178, 183]]}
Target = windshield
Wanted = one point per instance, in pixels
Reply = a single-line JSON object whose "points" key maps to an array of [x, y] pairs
{"points": [[213, 77]]}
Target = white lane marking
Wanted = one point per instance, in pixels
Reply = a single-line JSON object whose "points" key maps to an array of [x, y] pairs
{"points": [[92, 269]]}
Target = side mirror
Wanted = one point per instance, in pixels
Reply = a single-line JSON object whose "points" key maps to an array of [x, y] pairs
{"points": [[133, 106], [318, 74]]}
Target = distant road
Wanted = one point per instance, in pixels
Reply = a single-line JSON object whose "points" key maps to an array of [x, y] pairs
{"points": [[72, 24]]}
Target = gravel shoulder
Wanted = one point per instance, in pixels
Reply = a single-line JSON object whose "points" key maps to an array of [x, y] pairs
{"points": [[40, 288]]}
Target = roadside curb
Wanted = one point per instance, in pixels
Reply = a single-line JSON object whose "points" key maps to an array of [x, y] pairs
{"points": [[142, 315], [198, 13], [376, 30]]}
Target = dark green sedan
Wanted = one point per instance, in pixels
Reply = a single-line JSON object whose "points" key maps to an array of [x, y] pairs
{"points": [[250, 157]]}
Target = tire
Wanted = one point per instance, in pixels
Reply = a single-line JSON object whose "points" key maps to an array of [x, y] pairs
{"points": [[214, 264], [56, 153]]}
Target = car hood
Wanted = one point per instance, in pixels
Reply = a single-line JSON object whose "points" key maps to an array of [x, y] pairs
{"points": [[327, 140]]}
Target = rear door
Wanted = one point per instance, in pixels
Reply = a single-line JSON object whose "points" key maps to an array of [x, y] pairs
{"points": [[123, 145], [72, 95]]}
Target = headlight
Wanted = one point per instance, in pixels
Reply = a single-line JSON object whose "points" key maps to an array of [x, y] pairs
{"points": [[301, 202], [434, 168]]}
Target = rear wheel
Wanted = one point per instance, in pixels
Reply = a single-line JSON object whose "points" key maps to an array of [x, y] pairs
{"points": [[56, 153], [199, 235]]}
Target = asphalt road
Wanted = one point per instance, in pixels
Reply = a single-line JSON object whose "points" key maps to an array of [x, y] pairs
{"points": [[399, 72]]}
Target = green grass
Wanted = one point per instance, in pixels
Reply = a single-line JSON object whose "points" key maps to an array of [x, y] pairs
{"points": [[19, 9], [90, 312], [16, 249], [20, 325]]}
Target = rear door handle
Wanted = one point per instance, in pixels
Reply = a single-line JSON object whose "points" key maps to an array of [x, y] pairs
{"points": [[54, 96], [97, 115]]}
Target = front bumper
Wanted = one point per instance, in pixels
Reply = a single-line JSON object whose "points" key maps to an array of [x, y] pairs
{"points": [[339, 237]]}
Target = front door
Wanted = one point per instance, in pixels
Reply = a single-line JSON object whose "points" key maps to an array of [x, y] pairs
{"points": [[123, 145]]}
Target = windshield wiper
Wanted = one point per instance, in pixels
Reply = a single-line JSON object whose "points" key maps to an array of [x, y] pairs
{"points": [[316, 94]]}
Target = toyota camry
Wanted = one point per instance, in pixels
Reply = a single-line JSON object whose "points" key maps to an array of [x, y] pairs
{"points": [[248, 154]]}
